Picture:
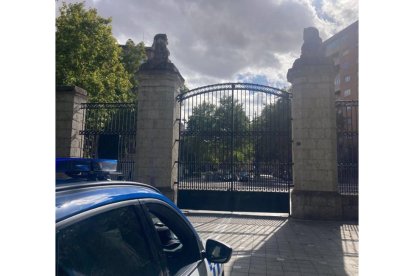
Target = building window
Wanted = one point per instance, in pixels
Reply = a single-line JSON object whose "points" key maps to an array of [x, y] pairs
{"points": [[347, 92], [347, 78], [337, 80]]}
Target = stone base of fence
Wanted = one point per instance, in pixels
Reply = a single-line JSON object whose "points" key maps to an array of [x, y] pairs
{"points": [[320, 205], [168, 192], [350, 207]]}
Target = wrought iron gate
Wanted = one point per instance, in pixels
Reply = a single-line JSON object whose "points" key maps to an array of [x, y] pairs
{"points": [[347, 131], [109, 132], [235, 148]]}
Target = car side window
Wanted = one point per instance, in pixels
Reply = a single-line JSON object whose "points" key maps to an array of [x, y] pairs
{"points": [[175, 238], [110, 243]]}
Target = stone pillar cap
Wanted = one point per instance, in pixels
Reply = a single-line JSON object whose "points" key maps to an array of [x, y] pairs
{"points": [[71, 88], [312, 54]]}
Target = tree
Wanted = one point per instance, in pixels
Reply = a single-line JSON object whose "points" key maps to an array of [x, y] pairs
{"points": [[232, 119], [87, 55], [132, 56], [198, 142], [215, 134], [273, 126]]}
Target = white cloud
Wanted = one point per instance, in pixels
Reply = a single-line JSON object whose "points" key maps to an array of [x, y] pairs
{"points": [[221, 40], [341, 12]]}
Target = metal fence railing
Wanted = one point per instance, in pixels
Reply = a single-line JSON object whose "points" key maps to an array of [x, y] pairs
{"points": [[109, 131], [347, 145]]}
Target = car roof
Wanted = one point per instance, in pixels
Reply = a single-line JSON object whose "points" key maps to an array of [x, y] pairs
{"points": [[75, 198]]}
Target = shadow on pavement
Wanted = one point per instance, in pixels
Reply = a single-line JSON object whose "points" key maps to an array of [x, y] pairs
{"points": [[269, 245]]}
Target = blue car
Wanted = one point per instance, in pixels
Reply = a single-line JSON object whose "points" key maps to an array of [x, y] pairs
{"points": [[128, 228]]}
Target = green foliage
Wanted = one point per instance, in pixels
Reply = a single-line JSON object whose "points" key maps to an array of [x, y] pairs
{"points": [[203, 118], [199, 144], [239, 125], [209, 132], [132, 56], [87, 55], [184, 89], [271, 145]]}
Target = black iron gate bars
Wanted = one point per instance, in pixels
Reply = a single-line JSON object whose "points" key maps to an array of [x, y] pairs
{"points": [[109, 131]]}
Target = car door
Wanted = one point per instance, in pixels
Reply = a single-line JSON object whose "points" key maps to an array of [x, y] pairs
{"points": [[109, 240], [178, 243]]}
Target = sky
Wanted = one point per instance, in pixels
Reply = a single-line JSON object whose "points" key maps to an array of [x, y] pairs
{"points": [[219, 41]]}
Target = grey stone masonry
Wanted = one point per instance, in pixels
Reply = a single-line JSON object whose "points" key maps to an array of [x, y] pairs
{"points": [[314, 132], [69, 120], [157, 125]]}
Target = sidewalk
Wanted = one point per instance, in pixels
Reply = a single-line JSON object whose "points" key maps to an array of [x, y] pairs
{"points": [[276, 245]]}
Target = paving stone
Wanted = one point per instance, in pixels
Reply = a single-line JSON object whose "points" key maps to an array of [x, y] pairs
{"points": [[282, 246], [239, 273], [290, 273]]}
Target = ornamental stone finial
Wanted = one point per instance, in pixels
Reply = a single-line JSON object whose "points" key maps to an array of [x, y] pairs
{"points": [[313, 53], [158, 55], [159, 49], [312, 43]]}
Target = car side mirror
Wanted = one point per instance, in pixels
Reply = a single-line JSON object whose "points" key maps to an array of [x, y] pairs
{"points": [[217, 252]]}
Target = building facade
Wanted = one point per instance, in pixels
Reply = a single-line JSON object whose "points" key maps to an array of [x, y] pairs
{"points": [[343, 48]]}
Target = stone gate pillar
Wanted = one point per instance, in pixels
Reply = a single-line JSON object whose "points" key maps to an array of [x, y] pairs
{"points": [[315, 193], [157, 126], [69, 120]]}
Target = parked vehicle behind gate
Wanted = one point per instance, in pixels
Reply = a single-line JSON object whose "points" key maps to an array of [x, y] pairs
{"points": [[245, 177], [128, 228], [230, 177]]}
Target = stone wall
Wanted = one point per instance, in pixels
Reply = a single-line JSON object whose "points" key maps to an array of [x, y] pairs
{"points": [[69, 120]]}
